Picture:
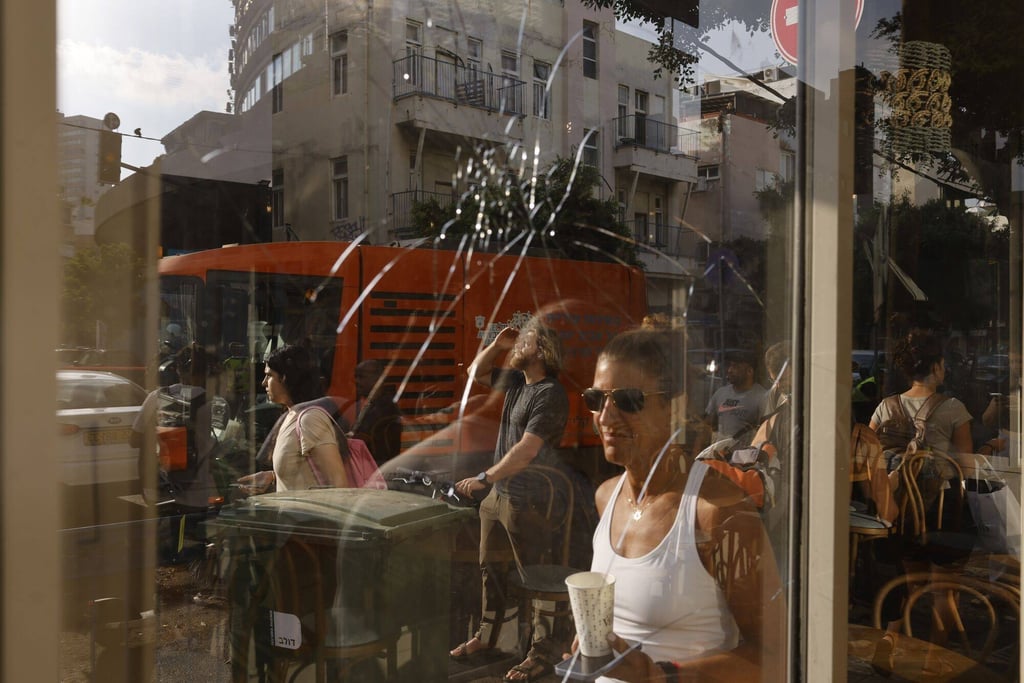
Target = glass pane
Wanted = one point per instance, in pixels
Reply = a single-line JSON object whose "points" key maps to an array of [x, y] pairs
{"points": [[334, 362], [935, 539]]}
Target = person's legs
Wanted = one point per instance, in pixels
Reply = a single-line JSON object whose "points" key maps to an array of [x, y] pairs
{"points": [[534, 541], [494, 553]]}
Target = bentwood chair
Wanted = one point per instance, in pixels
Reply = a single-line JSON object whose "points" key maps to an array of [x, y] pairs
{"points": [[539, 584], [952, 604], [317, 628]]}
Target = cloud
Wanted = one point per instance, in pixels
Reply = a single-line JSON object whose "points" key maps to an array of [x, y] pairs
{"points": [[136, 76]]}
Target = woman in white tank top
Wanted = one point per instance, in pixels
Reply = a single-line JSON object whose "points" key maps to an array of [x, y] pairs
{"points": [[696, 613]]}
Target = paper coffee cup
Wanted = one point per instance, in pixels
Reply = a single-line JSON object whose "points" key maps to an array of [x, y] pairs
{"points": [[592, 597]]}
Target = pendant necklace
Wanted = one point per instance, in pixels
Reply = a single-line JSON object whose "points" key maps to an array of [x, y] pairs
{"points": [[638, 510]]}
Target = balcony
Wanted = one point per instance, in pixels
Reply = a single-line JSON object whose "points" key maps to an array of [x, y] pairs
{"points": [[655, 148], [401, 209], [437, 88], [672, 241]]}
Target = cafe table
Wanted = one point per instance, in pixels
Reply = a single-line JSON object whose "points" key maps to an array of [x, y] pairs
{"points": [[918, 660]]}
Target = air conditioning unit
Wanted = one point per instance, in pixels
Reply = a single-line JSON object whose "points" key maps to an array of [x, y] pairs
{"points": [[701, 186], [770, 74]]}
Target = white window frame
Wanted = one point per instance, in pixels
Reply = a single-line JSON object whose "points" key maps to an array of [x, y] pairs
{"points": [[414, 50], [474, 55], [339, 63], [590, 49], [591, 148], [541, 96], [339, 188], [276, 85]]}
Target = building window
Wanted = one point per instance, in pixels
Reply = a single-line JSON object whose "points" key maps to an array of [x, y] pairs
{"points": [[589, 49], [763, 179], [414, 51], [474, 54], [277, 81], [590, 148], [541, 96], [277, 196], [787, 166], [339, 63], [660, 227], [623, 111], [708, 172], [339, 184], [640, 101], [510, 64], [640, 228]]}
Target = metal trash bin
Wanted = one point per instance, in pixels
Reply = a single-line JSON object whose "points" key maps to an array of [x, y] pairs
{"points": [[328, 576]]}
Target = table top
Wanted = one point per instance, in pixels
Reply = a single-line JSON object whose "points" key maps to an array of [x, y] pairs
{"points": [[918, 660]]}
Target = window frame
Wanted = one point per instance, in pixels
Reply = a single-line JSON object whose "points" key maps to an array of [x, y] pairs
{"points": [[340, 198], [591, 54], [339, 63]]}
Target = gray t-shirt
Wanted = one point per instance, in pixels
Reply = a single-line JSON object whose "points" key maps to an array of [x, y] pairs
{"points": [[938, 433], [541, 408], [737, 411]]}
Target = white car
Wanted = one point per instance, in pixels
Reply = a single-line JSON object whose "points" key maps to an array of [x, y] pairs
{"points": [[95, 412]]}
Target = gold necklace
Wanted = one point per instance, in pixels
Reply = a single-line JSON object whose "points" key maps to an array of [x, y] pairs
{"points": [[638, 510]]}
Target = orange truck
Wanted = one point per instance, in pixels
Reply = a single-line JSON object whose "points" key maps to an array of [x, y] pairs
{"points": [[424, 312]]}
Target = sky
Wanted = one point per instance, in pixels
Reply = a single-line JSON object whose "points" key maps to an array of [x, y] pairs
{"points": [[153, 63]]}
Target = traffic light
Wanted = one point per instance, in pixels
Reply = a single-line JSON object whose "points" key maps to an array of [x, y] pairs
{"points": [[110, 157]]}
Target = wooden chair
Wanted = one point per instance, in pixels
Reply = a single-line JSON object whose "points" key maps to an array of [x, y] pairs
{"points": [[546, 582], [869, 480], [965, 601], [304, 591]]}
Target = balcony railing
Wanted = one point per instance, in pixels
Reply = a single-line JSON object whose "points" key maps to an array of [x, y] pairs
{"points": [[640, 131], [401, 208], [671, 240], [428, 77]]}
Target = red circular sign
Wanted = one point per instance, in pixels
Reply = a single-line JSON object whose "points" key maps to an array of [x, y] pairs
{"points": [[786, 30]]}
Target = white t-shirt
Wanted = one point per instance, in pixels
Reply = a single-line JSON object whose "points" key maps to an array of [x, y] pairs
{"points": [[291, 467]]}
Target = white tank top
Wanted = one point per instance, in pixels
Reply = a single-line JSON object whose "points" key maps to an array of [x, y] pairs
{"points": [[666, 599]]}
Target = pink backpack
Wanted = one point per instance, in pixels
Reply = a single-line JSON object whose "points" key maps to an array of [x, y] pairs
{"points": [[360, 467]]}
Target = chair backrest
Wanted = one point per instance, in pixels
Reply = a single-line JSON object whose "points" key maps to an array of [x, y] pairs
{"points": [[968, 603], [921, 485], [554, 480]]}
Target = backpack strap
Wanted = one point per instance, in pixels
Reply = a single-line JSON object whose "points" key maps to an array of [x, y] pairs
{"points": [[895, 406], [921, 418], [337, 432]]}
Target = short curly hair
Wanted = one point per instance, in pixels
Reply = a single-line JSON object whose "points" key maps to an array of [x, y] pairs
{"points": [[917, 352]]}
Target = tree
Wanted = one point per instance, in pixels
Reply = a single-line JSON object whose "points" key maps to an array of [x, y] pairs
{"points": [[103, 284], [556, 210]]}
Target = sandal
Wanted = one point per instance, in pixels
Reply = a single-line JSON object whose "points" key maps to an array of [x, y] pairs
{"points": [[461, 652], [532, 668], [883, 662]]}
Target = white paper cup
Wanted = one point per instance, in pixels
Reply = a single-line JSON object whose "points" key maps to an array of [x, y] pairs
{"points": [[592, 596]]}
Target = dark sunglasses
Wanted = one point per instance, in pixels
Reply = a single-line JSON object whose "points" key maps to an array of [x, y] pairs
{"points": [[626, 400]]}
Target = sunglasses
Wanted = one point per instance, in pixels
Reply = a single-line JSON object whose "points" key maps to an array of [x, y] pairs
{"points": [[626, 400]]}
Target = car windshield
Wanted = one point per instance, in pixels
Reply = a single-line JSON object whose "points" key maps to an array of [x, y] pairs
{"points": [[97, 392]]}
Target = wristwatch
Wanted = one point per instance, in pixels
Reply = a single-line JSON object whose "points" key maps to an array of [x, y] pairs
{"points": [[482, 478]]}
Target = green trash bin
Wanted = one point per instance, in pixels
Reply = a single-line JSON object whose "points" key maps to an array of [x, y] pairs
{"points": [[332, 577]]}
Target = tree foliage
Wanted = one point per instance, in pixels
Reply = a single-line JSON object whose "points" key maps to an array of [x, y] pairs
{"points": [[104, 284], [556, 210]]}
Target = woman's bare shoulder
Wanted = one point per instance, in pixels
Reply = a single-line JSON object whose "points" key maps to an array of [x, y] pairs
{"points": [[604, 493]]}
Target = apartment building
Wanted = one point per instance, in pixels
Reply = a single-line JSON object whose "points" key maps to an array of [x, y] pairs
{"points": [[512, 89]]}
